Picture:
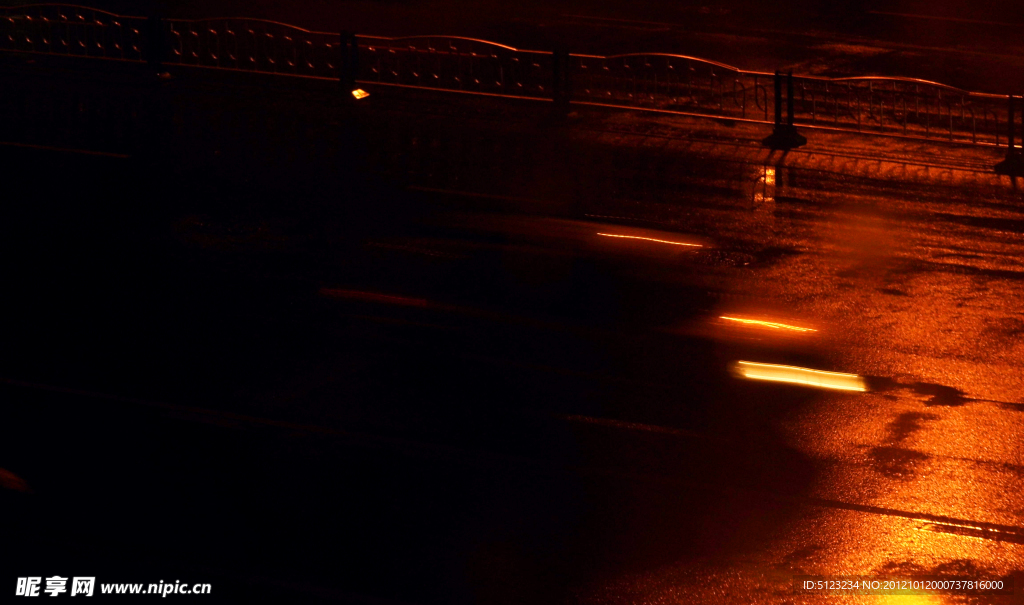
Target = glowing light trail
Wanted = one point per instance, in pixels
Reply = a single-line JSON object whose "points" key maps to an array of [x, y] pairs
{"points": [[802, 376], [374, 297], [651, 239], [768, 324]]}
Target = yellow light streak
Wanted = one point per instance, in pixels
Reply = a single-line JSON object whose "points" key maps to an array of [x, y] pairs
{"points": [[901, 599], [802, 376], [651, 239], [359, 93], [767, 324]]}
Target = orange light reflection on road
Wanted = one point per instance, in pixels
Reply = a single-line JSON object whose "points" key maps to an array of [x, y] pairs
{"points": [[902, 599], [373, 297], [767, 324], [651, 239], [802, 376]]}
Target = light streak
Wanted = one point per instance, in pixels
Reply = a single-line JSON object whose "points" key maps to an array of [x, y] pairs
{"points": [[802, 376], [768, 324], [651, 239], [374, 297], [973, 531]]}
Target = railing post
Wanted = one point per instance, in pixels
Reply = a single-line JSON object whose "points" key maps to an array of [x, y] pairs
{"points": [[784, 136], [561, 89], [1011, 124], [778, 99], [155, 43], [155, 140], [348, 64], [1013, 165], [789, 99]]}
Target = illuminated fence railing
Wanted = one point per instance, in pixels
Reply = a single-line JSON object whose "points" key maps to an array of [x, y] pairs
{"points": [[903, 106], [667, 82], [252, 45], [647, 81], [898, 106], [68, 30], [452, 63]]}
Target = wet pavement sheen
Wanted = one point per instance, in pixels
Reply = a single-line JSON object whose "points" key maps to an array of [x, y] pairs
{"points": [[572, 454]]}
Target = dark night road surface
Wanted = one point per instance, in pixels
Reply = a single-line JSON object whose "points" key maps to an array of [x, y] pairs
{"points": [[338, 445]]}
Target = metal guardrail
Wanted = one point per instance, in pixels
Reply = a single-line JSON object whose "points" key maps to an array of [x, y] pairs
{"points": [[460, 64], [894, 106], [251, 45], [898, 107], [58, 29]]}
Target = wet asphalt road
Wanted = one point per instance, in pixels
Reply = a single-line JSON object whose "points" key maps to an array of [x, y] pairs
{"points": [[921, 294], [258, 392]]}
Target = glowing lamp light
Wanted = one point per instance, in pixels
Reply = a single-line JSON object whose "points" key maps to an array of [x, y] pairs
{"points": [[800, 376], [359, 93]]}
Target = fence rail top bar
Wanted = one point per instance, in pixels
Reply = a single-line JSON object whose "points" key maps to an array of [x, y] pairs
{"points": [[487, 42], [904, 79], [671, 56], [890, 79], [247, 19], [72, 6]]}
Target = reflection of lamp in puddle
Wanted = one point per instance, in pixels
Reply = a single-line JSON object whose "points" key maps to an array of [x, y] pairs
{"points": [[765, 187]]}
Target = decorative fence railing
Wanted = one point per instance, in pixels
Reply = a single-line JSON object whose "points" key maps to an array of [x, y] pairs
{"points": [[461, 64], [57, 29], [899, 107], [664, 82], [251, 45]]}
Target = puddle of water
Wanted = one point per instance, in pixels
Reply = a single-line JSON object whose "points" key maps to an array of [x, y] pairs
{"points": [[764, 191]]}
